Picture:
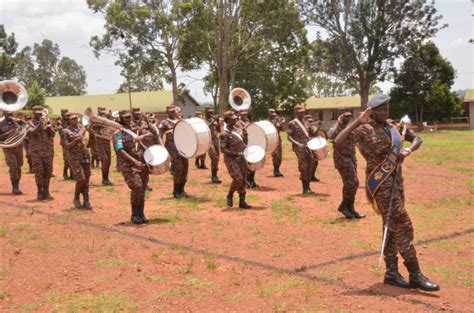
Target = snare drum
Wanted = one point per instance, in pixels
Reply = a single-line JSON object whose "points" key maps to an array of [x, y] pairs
{"points": [[263, 134], [157, 158], [319, 146], [192, 137], [255, 157]]}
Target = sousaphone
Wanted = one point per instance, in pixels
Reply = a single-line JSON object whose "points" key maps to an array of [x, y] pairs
{"points": [[13, 97], [239, 99]]}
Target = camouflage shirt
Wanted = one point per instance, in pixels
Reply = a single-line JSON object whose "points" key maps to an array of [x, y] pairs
{"points": [[214, 125], [166, 127], [124, 141], [232, 141], [79, 152], [344, 154], [41, 140], [297, 133]]}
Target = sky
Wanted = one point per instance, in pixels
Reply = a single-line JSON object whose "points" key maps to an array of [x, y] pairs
{"points": [[70, 24]]}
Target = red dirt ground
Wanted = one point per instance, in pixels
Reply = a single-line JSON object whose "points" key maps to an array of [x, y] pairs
{"points": [[289, 253]]}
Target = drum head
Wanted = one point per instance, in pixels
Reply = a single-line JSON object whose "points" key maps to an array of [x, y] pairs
{"points": [[317, 143], [256, 136], [254, 154], [185, 139], [155, 155]]}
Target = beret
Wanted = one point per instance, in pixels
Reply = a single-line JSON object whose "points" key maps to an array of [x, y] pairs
{"points": [[378, 100]]}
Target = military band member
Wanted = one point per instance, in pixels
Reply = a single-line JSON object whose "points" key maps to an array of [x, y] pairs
{"points": [[136, 116], [13, 156], [26, 145], [200, 161], [313, 130], [232, 144], [346, 163], [104, 151], [298, 135], [78, 159], [180, 164], [242, 123], [130, 164], [150, 138], [278, 153], [381, 144], [215, 127], [63, 124], [41, 135]]}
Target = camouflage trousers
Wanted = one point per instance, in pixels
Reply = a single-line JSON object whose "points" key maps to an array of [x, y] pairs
{"points": [[134, 180], [145, 173], [180, 164], [14, 160], [314, 166], [82, 174], [104, 153], [305, 159], [350, 182], [237, 168], [277, 155], [401, 234], [26, 145], [43, 168], [214, 154]]}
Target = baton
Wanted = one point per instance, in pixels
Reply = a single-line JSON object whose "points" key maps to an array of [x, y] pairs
{"points": [[389, 211]]}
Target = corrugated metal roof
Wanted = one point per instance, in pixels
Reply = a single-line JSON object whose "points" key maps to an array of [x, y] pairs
{"points": [[469, 96], [153, 101], [333, 103]]}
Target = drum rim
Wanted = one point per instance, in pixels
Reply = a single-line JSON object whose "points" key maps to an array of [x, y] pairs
{"points": [[196, 136]]}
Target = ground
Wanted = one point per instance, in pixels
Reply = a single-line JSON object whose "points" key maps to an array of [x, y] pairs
{"points": [[289, 253]]}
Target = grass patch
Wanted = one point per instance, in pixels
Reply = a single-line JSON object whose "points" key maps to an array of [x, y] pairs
{"points": [[470, 184], [101, 302], [462, 169], [199, 282], [236, 297], [272, 288], [362, 244], [110, 263], [453, 276], [3, 231], [281, 211], [210, 262], [172, 292]]}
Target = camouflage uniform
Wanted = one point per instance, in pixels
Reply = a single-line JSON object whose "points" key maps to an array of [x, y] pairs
{"points": [[374, 142], [78, 158], [63, 124], [42, 155], [304, 155], [180, 164], [313, 132], [234, 141], [148, 142], [26, 146], [242, 124], [346, 163], [215, 128], [132, 176], [104, 152], [278, 153], [13, 156]]}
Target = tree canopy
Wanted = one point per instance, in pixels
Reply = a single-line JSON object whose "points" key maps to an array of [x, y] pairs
{"points": [[422, 87]]}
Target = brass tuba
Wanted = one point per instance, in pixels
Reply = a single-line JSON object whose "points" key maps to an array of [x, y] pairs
{"points": [[107, 127], [13, 97], [239, 99]]}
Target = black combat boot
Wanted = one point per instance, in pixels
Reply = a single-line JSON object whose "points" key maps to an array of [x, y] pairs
{"points": [[46, 194], [417, 279], [354, 212], [392, 276], [136, 218], [77, 202], [65, 175], [87, 205], [314, 178], [40, 194], [242, 203], [183, 193], [142, 213], [203, 165], [197, 163], [230, 199], [276, 171], [214, 178], [345, 209], [16, 188], [306, 189], [176, 190], [105, 179]]}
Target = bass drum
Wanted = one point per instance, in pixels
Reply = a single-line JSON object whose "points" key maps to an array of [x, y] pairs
{"points": [[192, 137], [157, 158], [319, 147], [255, 157], [263, 134]]}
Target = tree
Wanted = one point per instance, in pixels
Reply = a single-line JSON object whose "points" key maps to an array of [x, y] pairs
{"points": [[24, 69], [36, 96], [58, 76], [8, 46], [140, 74], [364, 38], [256, 45], [151, 30], [422, 87]]}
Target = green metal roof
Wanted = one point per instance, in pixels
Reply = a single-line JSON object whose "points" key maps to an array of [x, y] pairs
{"points": [[333, 103], [153, 101], [469, 96]]}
